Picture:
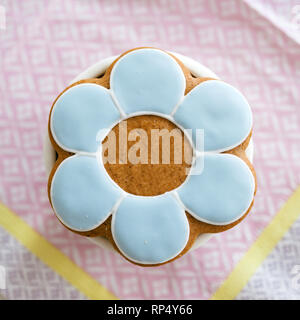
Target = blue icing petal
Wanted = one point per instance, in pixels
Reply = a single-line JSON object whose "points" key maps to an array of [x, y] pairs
{"points": [[222, 193], [147, 80], [150, 229], [81, 193], [221, 110], [79, 114]]}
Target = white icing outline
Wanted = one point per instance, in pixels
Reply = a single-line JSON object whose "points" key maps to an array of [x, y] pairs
{"points": [[183, 80], [117, 104], [124, 116], [149, 262], [249, 110], [61, 145], [177, 106], [51, 191], [228, 155]]}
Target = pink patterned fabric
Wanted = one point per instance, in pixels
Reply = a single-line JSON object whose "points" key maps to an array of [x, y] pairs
{"points": [[46, 43]]}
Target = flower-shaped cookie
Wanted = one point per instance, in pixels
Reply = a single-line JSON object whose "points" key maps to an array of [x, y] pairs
{"points": [[152, 229]]}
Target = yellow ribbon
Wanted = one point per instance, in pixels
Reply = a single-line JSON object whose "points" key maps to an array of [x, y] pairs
{"points": [[230, 288], [260, 249], [51, 256]]}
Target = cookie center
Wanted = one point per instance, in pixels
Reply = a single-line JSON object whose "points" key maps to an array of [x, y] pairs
{"points": [[147, 155]]}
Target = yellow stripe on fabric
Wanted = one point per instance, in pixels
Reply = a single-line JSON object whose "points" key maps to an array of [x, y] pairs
{"points": [[51, 256], [260, 249]]}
